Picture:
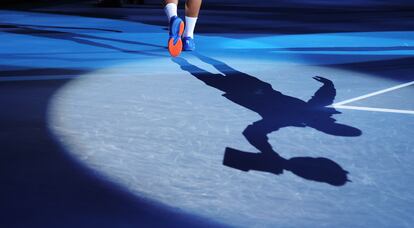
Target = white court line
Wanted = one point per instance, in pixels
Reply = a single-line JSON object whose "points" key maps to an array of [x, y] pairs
{"points": [[374, 94], [338, 105], [373, 109]]}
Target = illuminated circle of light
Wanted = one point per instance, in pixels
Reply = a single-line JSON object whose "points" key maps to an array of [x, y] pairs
{"points": [[161, 133]]}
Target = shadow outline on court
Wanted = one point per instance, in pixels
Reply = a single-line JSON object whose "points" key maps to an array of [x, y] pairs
{"points": [[53, 32], [277, 111]]}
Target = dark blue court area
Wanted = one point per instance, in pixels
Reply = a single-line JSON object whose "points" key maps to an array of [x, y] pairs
{"points": [[288, 114]]}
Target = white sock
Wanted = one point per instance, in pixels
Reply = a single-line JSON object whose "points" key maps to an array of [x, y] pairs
{"points": [[170, 10], [190, 23]]}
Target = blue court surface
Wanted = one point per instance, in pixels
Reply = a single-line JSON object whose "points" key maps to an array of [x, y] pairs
{"points": [[288, 114]]}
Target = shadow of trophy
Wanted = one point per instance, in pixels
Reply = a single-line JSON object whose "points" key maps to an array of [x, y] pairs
{"points": [[316, 169]]}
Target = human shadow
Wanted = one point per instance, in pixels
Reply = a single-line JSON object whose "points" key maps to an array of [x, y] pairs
{"points": [[277, 111], [86, 39], [60, 27]]}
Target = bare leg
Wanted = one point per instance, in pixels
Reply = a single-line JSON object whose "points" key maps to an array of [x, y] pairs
{"points": [[170, 1], [192, 7]]}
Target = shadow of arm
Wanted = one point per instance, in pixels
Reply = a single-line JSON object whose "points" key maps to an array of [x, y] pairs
{"points": [[325, 95]]}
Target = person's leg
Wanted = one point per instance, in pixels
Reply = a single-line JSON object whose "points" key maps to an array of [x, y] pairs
{"points": [[192, 9], [170, 8], [176, 27]]}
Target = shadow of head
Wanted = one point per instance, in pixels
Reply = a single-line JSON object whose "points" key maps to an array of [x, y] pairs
{"points": [[314, 169]]}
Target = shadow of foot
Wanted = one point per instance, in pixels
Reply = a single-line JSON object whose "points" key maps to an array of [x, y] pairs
{"points": [[315, 169]]}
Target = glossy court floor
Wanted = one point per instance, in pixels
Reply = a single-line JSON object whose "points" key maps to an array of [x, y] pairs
{"points": [[287, 115]]}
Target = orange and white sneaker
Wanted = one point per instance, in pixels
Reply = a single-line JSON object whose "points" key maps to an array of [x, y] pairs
{"points": [[175, 45]]}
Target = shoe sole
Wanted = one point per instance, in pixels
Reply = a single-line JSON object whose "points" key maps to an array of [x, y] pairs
{"points": [[175, 45]]}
